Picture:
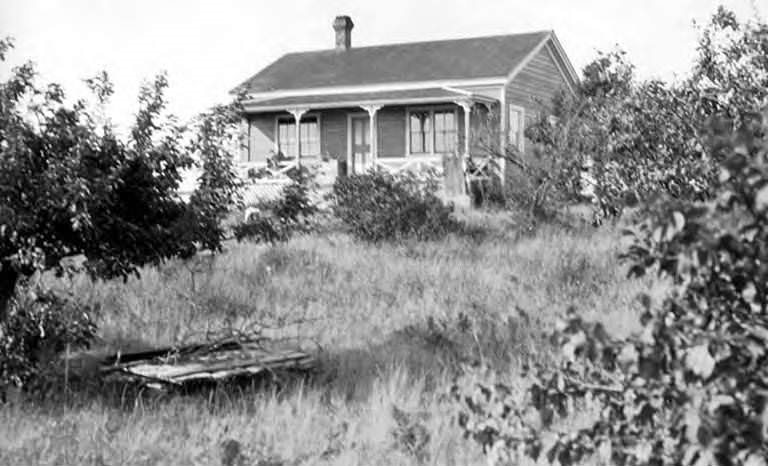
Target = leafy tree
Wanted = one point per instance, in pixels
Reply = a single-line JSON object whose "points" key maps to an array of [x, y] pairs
{"points": [[218, 188], [692, 387], [631, 139], [278, 219], [40, 325], [69, 186], [643, 139], [731, 72]]}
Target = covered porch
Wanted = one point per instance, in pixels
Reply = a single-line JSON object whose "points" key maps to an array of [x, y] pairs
{"points": [[348, 133]]}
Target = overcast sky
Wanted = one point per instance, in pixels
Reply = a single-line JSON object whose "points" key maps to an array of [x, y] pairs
{"points": [[208, 47]]}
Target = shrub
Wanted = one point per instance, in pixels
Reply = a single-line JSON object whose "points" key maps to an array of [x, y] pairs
{"points": [[487, 193], [410, 434], [295, 204], [218, 188], [692, 387], [633, 139], [277, 219], [380, 206], [70, 185], [262, 229], [40, 325]]}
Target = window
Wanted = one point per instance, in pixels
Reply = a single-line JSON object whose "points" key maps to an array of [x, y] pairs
{"points": [[310, 137], [432, 131], [445, 131], [421, 132], [286, 138], [516, 127]]}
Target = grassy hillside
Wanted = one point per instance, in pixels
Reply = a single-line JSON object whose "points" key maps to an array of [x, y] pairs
{"points": [[392, 324]]}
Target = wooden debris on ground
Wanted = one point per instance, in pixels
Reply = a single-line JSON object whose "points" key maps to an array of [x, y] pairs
{"points": [[176, 366]]}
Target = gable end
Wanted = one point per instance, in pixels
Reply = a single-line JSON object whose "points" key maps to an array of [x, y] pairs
{"points": [[543, 76]]}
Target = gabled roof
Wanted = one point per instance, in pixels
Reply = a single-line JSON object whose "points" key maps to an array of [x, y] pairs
{"points": [[480, 57]]}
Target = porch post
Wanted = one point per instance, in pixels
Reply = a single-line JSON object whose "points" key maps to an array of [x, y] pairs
{"points": [[372, 110], [297, 114], [467, 106]]}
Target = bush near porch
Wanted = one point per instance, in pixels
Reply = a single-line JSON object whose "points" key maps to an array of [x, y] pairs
{"points": [[379, 206]]}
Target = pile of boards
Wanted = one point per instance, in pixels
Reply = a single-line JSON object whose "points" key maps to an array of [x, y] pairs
{"points": [[169, 367]]}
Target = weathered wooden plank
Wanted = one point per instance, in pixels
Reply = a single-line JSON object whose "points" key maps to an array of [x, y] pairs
{"points": [[215, 361]]}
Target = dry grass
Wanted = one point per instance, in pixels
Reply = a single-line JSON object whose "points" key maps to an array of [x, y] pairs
{"points": [[386, 319]]}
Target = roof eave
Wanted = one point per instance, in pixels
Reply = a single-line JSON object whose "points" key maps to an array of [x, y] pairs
{"points": [[570, 70], [569, 74], [253, 106], [528, 57], [392, 86]]}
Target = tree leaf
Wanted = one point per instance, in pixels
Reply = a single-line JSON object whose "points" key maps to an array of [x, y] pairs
{"points": [[755, 459], [679, 221], [700, 361], [761, 198]]}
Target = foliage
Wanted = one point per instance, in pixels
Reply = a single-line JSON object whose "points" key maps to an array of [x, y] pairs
{"points": [[277, 219], [261, 228], [380, 206], [635, 140], [542, 183], [40, 325], [70, 186], [485, 187], [620, 140], [692, 387], [296, 203], [218, 189], [487, 192], [410, 435]]}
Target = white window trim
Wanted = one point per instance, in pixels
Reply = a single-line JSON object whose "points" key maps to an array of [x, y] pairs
{"points": [[290, 119], [431, 110], [518, 108]]}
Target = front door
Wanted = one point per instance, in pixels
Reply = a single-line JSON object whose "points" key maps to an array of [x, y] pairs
{"points": [[360, 144]]}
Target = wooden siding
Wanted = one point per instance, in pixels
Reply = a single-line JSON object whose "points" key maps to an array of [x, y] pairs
{"points": [[532, 89], [536, 84], [392, 127], [484, 131], [261, 137], [333, 134]]}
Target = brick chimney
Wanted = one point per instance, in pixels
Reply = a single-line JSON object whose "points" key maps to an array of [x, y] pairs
{"points": [[343, 26]]}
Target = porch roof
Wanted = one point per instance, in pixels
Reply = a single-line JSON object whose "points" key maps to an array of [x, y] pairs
{"points": [[359, 99]]}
